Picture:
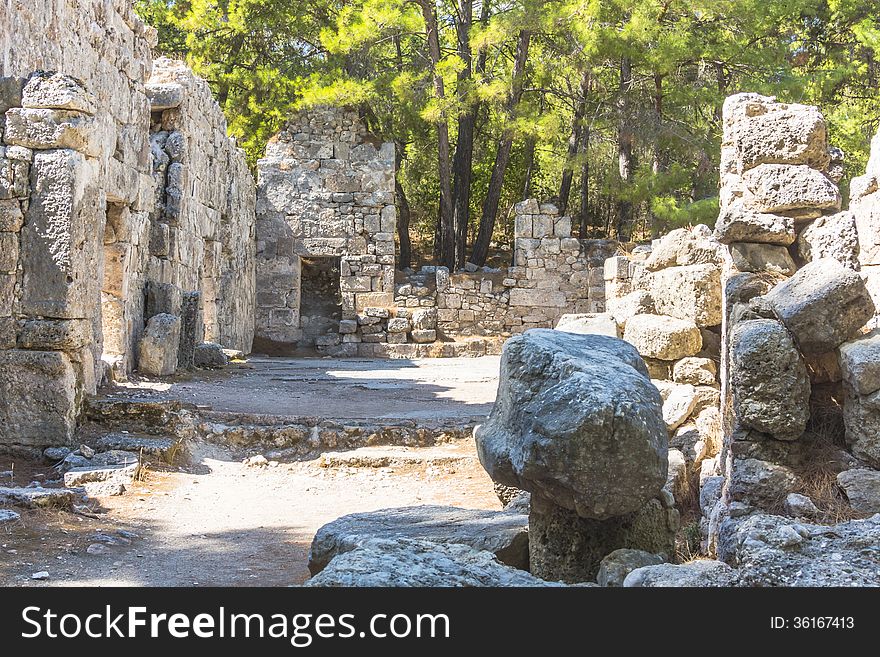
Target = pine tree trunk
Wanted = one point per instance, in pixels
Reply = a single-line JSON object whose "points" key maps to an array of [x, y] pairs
{"points": [[625, 157], [403, 215], [464, 149], [658, 163], [574, 144], [446, 247], [502, 157]]}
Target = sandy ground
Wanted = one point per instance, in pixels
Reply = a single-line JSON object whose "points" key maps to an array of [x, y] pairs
{"points": [[219, 522], [339, 388]]}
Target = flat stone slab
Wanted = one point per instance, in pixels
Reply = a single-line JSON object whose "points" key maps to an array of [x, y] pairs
{"points": [[405, 562], [124, 474], [503, 533], [38, 498]]}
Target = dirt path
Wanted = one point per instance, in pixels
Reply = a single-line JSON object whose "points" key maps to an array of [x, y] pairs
{"points": [[224, 523]]}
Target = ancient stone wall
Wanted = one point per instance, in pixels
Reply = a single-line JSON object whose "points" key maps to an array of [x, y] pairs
{"points": [[77, 229], [74, 146], [799, 422], [203, 224], [326, 189]]}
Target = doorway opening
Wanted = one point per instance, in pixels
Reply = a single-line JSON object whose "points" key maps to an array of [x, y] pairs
{"points": [[320, 298]]}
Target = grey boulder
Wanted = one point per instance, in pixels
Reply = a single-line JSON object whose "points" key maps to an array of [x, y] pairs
{"points": [[578, 422]]}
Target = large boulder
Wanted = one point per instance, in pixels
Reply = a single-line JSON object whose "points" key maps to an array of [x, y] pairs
{"points": [[504, 534], [406, 562], [157, 351], [577, 422], [588, 324], [771, 386], [777, 551], [700, 573], [691, 292], [823, 305], [662, 337]]}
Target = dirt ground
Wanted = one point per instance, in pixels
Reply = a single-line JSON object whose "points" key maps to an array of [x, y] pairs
{"points": [[339, 388], [219, 522]]}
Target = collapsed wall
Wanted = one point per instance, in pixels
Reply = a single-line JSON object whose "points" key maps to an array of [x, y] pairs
{"points": [[77, 222], [799, 424], [326, 253]]}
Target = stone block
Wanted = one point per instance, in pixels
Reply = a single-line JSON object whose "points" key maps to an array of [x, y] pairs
{"points": [[38, 398], [57, 91], [158, 348], [46, 129]]}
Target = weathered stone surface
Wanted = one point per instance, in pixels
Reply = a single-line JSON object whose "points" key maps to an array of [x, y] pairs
{"points": [[59, 257], [862, 488], [771, 387], [161, 298], [696, 371], [638, 302], [739, 224], [662, 337], [192, 328], [57, 91], [423, 336], [616, 566], [37, 497], [691, 292], [578, 422], [754, 257], [165, 95], [53, 129], [678, 405], [700, 573], [38, 397], [834, 236], [589, 323], [504, 534], [684, 247], [58, 335], [800, 506], [762, 484], [823, 305], [123, 474], [798, 132], [570, 548], [408, 562], [782, 187], [424, 319], [210, 355], [860, 363], [774, 551], [159, 345]]}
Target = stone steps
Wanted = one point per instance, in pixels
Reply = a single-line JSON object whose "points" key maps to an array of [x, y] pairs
{"points": [[163, 449], [391, 456]]}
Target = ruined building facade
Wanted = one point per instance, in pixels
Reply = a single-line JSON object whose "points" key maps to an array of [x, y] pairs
{"points": [[110, 183]]}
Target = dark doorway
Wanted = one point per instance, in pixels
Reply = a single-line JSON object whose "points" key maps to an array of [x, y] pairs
{"points": [[321, 299]]}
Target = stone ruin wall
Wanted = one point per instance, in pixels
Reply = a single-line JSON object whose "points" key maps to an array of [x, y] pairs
{"points": [[798, 371], [203, 223], [327, 190], [77, 196]]}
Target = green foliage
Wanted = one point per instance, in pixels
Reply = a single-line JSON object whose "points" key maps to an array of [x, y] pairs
{"points": [[266, 58]]}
